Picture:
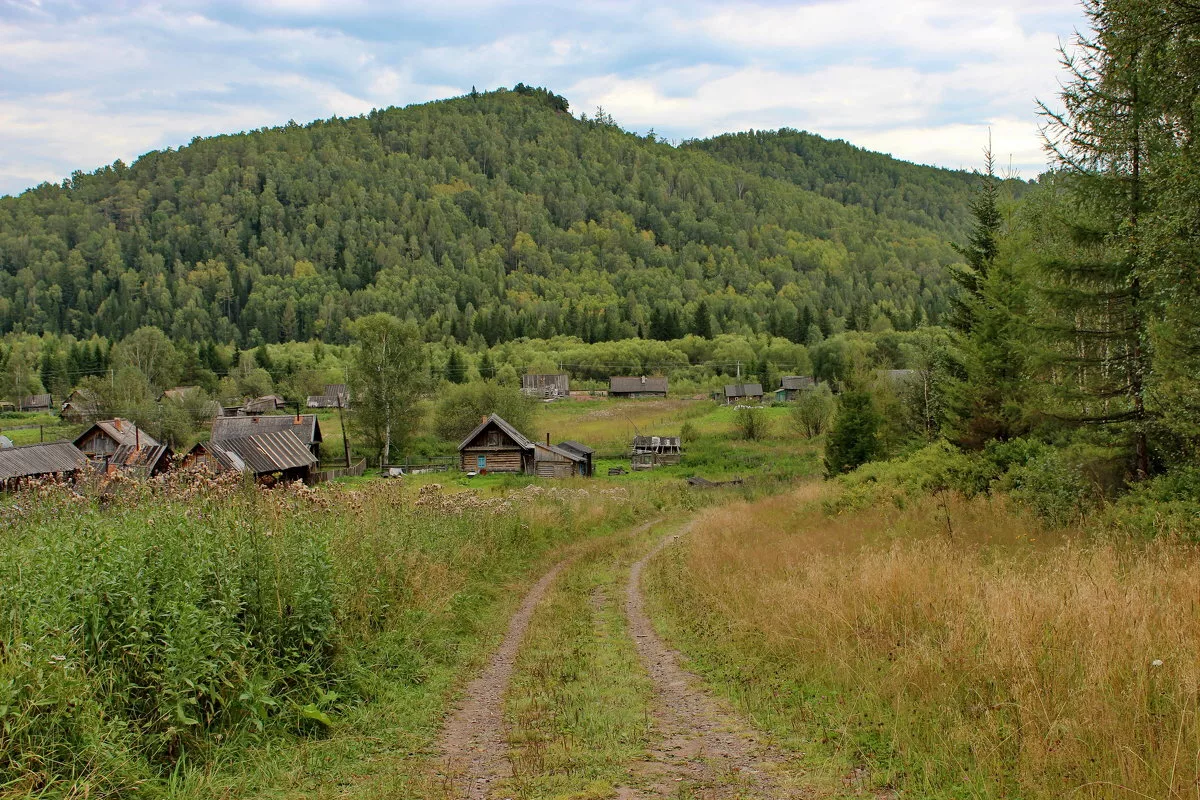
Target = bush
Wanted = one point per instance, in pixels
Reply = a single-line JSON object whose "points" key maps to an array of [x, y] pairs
{"points": [[854, 439], [751, 423], [462, 407], [1050, 486], [812, 411]]}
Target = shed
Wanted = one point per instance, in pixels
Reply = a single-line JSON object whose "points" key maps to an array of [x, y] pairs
{"points": [[39, 461], [625, 386], [104, 437], [261, 455], [546, 387], [743, 392], [266, 404], [586, 469], [649, 452], [336, 395], [496, 446], [145, 461], [792, 386], [37, 402], [305, 426]]}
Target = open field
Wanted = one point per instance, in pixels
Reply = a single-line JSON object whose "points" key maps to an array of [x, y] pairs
{"points": [[948, 649]]}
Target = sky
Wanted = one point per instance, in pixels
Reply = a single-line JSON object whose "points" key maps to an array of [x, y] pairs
{"points": [[83, 84]]}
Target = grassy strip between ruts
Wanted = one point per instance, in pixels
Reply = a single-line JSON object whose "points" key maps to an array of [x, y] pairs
{"points": [[579, 702]]}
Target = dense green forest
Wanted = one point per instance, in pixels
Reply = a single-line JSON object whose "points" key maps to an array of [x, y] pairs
{"points": [[485, 218]]}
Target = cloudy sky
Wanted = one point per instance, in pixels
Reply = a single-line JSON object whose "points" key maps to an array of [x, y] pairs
{"points": [[84, 83]]}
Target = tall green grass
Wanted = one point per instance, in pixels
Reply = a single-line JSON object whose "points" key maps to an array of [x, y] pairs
{"points": [[146, 630]]}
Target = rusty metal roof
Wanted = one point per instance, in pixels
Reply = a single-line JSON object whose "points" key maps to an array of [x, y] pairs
{"points": [[262, 453], [304, 426], [144, 459], [40, 459]]}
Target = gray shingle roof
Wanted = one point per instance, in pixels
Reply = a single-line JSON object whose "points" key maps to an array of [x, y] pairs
{"points": [[40, 459], [743, 390], [582, 449], [796, 383], [307, 428], [512, 432], [634, 384], [121, 431], [262, 453]]}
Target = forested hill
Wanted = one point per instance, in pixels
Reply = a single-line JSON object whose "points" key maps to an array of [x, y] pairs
{"points": [[493, 215]]}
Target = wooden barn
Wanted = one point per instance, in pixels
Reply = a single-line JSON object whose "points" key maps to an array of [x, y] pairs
{"points": [[736, 393], [634, 387], [546, 387], [586, 467], [262, 455], [304, 426], [46, 460], [101, 441], [336, 396], [37, 402], [264, 405], [552, 461], [496, 446], [80, 406]]}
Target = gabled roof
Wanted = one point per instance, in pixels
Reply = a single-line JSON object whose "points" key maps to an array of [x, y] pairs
{"points": [[121, 431], [629, 385], [262, 453], [743, 390], [582, 449], [140, 459], [36, 401], [513, 433], [40, 459], [796, 382], [304, 426]]}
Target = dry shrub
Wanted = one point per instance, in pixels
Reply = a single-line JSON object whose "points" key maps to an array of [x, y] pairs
{"points": [[987, 653]]}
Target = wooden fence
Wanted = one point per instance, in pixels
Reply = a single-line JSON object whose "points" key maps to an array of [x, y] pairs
{"points": [[436, 464], [355, 471]]}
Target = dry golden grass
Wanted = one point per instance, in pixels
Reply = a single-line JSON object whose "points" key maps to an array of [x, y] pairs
{"points": [[984, 658]]}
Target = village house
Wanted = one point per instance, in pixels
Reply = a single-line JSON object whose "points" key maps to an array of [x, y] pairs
{"points": [[736, 393], [545, 387], [336, 396], [649, 452], [496, 446], [267, 404], [305, 426], [634, 387], [37, 402], [143, 462], [50, 459], [586, 468], [792, 386], [261, 455], [80, 406], [100, 442]]}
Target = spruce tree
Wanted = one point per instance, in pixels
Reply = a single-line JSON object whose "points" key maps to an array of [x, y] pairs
{"points": [[854, 437]]}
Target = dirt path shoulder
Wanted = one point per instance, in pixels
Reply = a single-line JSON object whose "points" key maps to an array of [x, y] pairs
{"points": [[699, 749]]}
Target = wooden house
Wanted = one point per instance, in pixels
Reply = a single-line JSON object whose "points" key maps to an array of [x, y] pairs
{"points": [[586, 467], [336, 396], [737, 393], [305, 426], [80, 406], [101, 441], [552, 461], [634, 387], [496, 446], [46, 460], [649, 452], [262, 455], [37, 402], [792, 386], [545, 387], [268, 404]]}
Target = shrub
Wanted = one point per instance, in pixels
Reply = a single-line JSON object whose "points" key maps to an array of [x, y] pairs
{"points": [[812, 411], [752, 424], [1050, 486]]}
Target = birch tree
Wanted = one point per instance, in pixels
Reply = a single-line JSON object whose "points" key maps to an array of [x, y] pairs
{"points": [[387, 376]]}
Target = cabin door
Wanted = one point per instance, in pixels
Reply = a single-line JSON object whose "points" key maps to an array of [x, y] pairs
{"points": [[482, 463]]}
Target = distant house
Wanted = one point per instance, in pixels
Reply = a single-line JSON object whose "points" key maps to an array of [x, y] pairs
{"points": [[37, 402], [80, 406], [586, 468], [336, 396], [792, 386], [649, 452], [623, 386], [305, 426], [496, 446], [264, 405], [743, 393], [104, 437], [545, 387], [144, 462], [39, 461], [261, 455], [179, 393]]}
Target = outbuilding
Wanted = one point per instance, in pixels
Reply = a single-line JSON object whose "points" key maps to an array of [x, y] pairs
{"points": [[634, 387], [305, 426], [49, 459], [743, 393], [586, 467], [262, 455]]}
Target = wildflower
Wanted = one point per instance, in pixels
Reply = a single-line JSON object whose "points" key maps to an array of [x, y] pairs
{"points": [[1156, 662]]}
